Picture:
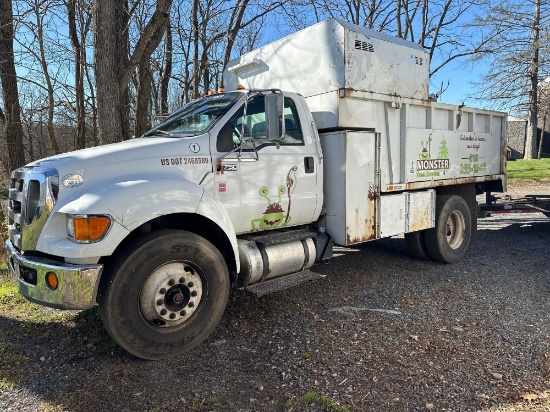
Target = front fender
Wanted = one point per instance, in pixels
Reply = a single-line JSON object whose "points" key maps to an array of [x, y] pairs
{"points": [[211, 208], [129, 203]]}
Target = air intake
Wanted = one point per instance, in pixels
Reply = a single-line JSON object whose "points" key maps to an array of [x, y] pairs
{"points": [[364, 46]]}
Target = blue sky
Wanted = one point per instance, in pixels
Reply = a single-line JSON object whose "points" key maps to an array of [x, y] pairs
{"points": [[460, 79]]}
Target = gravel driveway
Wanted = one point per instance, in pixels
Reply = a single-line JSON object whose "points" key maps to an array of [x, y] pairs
{"points": [[380, 332]]}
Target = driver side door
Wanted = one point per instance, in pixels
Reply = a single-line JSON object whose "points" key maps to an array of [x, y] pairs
{"points": [[267, 184]]}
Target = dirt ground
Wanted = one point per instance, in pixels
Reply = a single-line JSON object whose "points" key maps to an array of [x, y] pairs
{"points": [[380, 332]]}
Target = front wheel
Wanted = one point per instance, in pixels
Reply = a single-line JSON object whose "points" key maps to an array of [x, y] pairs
{"points": [[448, 241], [165, 294]]}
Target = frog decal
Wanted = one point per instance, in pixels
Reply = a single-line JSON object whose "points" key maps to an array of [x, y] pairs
{"points": [[274, 214], [425, 155]]}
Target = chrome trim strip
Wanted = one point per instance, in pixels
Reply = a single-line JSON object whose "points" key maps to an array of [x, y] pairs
{"points": [[78, 284], [25, 236]]}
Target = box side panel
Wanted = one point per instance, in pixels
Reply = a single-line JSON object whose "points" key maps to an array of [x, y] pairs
{"points": [[378, 66], [361, 187], [420, 210], [350, 186], [392, 214], [456, 143], [334, 184]]}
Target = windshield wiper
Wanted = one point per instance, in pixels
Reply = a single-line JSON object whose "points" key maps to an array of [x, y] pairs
{"points": [[154, 132]]}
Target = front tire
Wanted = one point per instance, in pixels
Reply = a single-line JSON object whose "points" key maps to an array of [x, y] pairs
{"points": [[448, 241], [164, 294]]}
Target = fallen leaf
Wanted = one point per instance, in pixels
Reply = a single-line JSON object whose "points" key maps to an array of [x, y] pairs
{"points": [[497, 376], [483, 396], [530, 397]]}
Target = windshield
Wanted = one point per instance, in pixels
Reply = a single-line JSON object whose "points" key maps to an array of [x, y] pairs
{"points": [[196, 117]]}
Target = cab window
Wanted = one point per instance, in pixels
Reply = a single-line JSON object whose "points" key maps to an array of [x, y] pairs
{"points": [[254, 127]]}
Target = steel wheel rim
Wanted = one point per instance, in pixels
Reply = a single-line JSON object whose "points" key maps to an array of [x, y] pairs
{"points": [[456, 228], [171, 294]]}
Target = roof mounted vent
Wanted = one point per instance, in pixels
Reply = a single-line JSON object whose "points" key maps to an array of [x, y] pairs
{"points": [[363, 45]]}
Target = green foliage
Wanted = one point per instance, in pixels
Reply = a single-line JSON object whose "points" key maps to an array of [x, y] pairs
{"points": [[11, 365], [322, 400], [88, 325], [310, 397], [536, 169]]}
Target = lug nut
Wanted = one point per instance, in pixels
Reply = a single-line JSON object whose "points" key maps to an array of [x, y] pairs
{"points": [[190, 284], [172, 316], [163, 312], [182, 280], [191, 304], [171, 282], [162, 291], [159, 302], [194, 293], [183, 313]]}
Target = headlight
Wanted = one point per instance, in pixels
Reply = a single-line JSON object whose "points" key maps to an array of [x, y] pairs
{"points": [[88, 228]]}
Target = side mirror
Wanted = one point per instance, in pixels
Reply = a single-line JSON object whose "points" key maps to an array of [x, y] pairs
{"points": [[275, 125]]}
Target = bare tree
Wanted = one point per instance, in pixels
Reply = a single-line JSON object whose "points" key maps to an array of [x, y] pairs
{"points": [[12, 113], [530, 151], [166, 72], [80, 63], [40, 9], [518, 58], [113, 68]]}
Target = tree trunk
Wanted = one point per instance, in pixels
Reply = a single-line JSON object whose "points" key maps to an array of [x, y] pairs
{"points": [[113, 68], [166, 73], [542, 135], [47, 78], [143, 98], [110, 45], [195, 37], [233, 29], [530, 151], [10, 94], [80, 138]]}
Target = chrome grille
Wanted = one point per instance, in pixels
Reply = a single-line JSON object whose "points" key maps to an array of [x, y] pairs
{"points": [[32, 196]]}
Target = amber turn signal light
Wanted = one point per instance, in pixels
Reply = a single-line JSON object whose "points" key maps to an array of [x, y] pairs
{"points": [[88, 228], [51, 280]]}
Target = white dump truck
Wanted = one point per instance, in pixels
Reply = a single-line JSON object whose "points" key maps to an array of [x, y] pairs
{"points": [[327, 136]]}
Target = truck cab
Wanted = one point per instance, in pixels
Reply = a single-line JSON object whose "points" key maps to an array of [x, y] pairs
{"points": [[225, 165]]}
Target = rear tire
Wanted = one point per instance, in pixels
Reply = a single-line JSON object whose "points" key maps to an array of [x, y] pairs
{"points": [[164, 294], [448, 241], [416, 245]]}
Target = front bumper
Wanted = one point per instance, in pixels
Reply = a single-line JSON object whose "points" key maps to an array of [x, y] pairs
{"points": [[77, 286]]}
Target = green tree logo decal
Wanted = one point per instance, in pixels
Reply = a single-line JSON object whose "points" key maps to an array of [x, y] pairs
{"points": [[443, 150]]}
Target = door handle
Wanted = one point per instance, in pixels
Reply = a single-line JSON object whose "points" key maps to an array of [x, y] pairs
{"points": [[309, 164]]}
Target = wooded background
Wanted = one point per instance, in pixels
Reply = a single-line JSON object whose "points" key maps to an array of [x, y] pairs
{"points": [[80, 73]]}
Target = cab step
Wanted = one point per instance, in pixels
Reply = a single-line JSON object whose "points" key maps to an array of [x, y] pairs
{"points": [[284, 282]]}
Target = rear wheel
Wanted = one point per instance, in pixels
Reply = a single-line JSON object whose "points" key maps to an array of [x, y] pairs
{"points": [[416, 245], [165, 294], [448, 241]]}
